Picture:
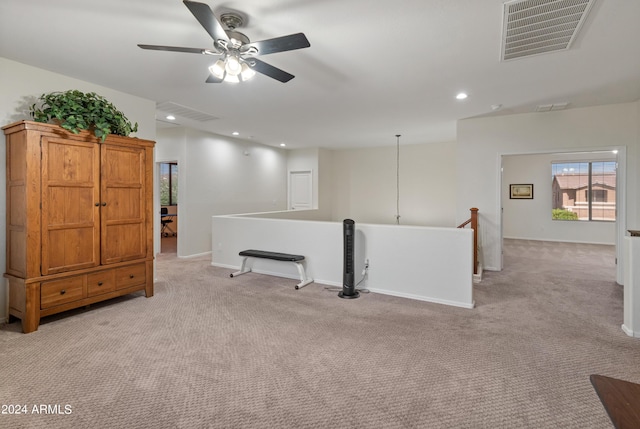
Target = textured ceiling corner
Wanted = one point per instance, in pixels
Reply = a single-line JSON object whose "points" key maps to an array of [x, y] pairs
{"points": [[532, 27]]}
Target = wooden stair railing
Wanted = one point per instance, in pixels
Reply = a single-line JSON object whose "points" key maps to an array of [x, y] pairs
{"points": [[473, 220]]}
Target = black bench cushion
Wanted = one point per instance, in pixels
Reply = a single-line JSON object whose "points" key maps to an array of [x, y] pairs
{"points": [[272, 255]]}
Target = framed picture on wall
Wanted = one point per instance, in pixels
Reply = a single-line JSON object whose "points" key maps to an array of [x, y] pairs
{"points": [[521, 191]]}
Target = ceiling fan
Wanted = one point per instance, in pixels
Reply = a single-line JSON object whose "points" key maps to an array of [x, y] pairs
{"points": [[237, 54]]}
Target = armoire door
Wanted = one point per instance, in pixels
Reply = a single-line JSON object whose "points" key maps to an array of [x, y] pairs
{"points": [[70, 213], [123, 204]]}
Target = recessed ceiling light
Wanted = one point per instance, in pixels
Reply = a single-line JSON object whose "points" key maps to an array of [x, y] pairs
{"points": [[615, 151], [171, 117], [461, 96], [282, 144], [235, 133]]}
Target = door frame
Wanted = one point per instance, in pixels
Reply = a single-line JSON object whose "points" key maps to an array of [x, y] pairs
{"points": [[289, 175], [156, 204], [621, 198]]}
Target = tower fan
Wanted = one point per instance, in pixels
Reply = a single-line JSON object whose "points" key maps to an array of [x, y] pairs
{"points": [[348, 284]]}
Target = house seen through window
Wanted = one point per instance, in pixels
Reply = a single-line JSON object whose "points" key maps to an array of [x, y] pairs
{"points": [[169, 184], [584, 191]]}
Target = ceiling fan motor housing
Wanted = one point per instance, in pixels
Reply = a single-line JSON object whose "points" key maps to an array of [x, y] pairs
{"points": [[232, 20]]}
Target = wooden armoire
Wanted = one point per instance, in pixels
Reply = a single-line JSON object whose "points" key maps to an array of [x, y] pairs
{"points": [[79, 219]]}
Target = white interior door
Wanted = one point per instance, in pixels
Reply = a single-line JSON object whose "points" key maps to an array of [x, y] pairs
{"points": [[300, 190]]}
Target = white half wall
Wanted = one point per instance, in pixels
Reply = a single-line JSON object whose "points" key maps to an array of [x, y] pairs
{"points": [[425, 263], [631, 325], [20, 85]]}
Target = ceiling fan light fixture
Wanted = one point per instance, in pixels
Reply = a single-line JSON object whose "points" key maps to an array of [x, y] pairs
{"points": [[232, 65], [217, 69], [247, 72]]}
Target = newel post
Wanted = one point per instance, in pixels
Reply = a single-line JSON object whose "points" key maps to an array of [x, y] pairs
{"points": [[474, 226]]}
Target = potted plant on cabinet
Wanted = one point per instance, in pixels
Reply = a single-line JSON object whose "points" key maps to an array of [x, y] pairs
{"points": [[75, 110]]}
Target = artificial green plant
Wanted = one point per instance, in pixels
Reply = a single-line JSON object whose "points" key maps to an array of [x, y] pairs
{"points": [[74, 110]]}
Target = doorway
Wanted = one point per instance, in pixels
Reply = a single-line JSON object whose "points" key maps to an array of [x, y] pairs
{"points": [[533, 216], [300, 190], [168, 179]]}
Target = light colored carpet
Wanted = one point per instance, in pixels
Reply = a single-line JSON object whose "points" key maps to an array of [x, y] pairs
{"points": [[208, 351]]}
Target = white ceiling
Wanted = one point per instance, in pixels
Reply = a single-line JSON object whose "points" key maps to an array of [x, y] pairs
{"points": [[374, 69]]}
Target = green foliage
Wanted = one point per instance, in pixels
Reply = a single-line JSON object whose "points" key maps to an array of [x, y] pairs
{"points": [[74, 111], [562, 214]]}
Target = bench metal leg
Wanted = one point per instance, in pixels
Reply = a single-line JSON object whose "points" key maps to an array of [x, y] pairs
{"points": [[243, 268], [303, 277]]}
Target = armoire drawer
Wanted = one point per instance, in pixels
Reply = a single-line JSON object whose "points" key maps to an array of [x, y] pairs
{"points": [[57, 292], [130, 276], [101, 282]]}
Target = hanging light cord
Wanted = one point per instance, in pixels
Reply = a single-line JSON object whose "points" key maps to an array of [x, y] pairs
{"points": [[398, 179]]}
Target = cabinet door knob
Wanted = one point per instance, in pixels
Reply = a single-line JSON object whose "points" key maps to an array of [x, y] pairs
{"points": [[104, 204], [130, 276], [99, 283], [62, 292], [97, 204]]}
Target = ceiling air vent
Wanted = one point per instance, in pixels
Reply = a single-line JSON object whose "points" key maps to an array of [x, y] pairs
{"points": [[550, 107], [532, 27], [184, 111]]}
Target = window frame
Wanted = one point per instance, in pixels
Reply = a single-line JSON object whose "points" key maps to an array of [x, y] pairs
{"points": [[589, 192]]}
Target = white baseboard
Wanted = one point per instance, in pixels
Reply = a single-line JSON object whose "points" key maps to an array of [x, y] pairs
{"points": [[231, 267], [559, 241], [477, 278], [422, 298], [197, 255], [629, 332]]}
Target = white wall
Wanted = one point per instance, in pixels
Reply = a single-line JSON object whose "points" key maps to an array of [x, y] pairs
{"points": [[325, 180], [20, 85], [483, 141], [531, 219], [364, 186], [220, 175], [424, 263]]}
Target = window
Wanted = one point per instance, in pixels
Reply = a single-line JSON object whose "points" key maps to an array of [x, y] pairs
{"points": [[169, 184], [584, 191]]}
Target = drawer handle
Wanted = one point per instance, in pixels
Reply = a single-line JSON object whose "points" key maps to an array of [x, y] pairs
{"points": [[99, 283], [130, 276], [62, 292]]}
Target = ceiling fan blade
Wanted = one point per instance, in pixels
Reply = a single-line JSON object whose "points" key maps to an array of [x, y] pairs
{"points": [[269, 70], [213, 79], [279, 44], [207, 19], [175, 49]]}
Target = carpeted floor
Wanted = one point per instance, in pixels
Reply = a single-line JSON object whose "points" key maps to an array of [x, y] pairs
{"points": [[252, 352]]}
